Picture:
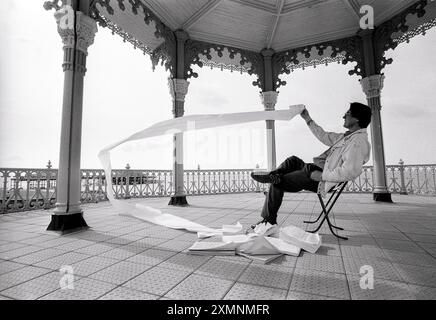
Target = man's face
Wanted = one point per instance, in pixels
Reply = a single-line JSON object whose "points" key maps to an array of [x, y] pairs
{"points": [[349, 120]]}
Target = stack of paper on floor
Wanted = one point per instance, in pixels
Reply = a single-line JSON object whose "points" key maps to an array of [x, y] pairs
{"points": [[212, 248], [258, 249], [300, 238], [261, 258]]}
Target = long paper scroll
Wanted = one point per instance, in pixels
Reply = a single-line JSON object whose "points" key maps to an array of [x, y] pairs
{"points": [[184, 124]]}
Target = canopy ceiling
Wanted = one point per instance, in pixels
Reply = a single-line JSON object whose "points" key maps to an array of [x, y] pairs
{"points": [[254, 25]]}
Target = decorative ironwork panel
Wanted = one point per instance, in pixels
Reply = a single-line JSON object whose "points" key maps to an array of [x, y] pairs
{"points": [[27, 189], [200, 182], [385, 39], [200, 53], [165, 53], [341, 51]]}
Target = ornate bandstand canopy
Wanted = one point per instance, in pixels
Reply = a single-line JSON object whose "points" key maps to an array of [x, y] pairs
{"points": [[264, 38], [232, 34]]}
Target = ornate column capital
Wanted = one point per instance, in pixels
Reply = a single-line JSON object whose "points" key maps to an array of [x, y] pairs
{"points": [[269, 99], [178, 88], [86, 28], [373, 85]]}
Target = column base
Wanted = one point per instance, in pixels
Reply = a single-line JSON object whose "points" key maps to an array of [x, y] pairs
{"points": [[67, 222], [179, 201], [383, 197]]}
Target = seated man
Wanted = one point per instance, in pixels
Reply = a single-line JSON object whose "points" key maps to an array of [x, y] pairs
{"points": [[343, 161]]}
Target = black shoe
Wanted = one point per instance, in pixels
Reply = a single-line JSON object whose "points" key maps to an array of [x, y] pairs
{"points": [[266, 177]]}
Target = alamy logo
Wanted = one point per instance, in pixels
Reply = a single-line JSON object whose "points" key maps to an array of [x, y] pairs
{"points": [[66, 17], [367, 20], [67, 278], [367, 278]]}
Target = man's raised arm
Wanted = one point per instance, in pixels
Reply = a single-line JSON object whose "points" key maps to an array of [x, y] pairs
{"points": [[328, 138]]}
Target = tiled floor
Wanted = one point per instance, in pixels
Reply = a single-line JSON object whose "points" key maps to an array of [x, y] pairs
{"points": [[123, 258]]}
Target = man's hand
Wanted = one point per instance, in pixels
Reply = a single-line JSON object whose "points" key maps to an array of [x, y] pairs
{"points": [[305, 115], [316, 176]]}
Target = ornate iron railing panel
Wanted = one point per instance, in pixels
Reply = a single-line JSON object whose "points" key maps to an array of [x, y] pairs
{"points": [[27, 189], [199, 182], [23, 189], [141, 183]]}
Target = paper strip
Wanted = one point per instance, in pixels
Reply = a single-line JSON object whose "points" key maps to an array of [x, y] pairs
{"points": [[183, 124]]}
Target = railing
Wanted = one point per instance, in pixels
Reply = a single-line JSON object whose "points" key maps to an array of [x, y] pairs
{"points": [[403, 179], [220, 181], [29, 189]]}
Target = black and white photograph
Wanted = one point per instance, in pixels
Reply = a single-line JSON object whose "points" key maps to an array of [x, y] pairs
{"points": [[217, 157]]}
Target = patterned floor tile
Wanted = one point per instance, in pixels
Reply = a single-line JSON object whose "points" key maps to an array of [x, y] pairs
{"points": [[223, 268], [423, 292], [243, 291], [8, 266], [400, 245], [148, 242], [19, 276], [122, 253], [417, 259], [84, 289], [267, 275], [120, 272], [425, 276], [293, 295], [174, 245], [35, 288], [18, 252], [320, 263], [38, 256], [65, 259], [389, 235], [74, 245], [197, 287], [96, 249], [183, 261], [39, 240], [151, 256], [157, 280], [383, 290], [361, 252], [383, 268], [92, 265], [123, 293], [320, 283]]}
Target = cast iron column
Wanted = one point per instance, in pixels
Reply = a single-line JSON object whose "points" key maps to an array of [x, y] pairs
{"points": [[77, 31], [269, 100], [178, 89], [372, 86]]}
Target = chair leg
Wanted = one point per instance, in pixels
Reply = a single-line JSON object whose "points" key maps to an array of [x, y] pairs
{"points": [[320, 215], [326, 213]]}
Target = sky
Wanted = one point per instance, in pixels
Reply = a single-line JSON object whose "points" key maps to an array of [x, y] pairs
{"points": [[123, 95]]}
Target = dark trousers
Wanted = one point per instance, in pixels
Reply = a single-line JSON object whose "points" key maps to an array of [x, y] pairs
{"points": [[294, 177]]}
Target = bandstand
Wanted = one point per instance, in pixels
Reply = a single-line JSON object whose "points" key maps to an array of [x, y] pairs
{"points": [[267, 38]]}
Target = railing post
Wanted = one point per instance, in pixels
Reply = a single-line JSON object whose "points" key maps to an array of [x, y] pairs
{"points": [[403, 189], [47, 189], [127, 176]]}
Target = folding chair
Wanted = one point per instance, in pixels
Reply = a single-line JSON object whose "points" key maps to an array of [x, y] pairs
{"points": [[337, 191]]}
